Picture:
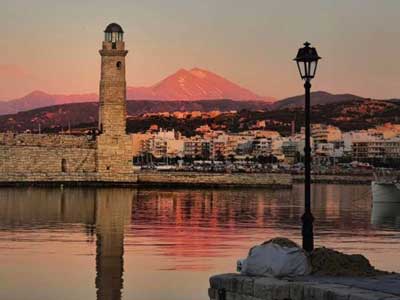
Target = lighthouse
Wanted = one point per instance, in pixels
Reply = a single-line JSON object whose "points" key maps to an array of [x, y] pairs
{"points": [[112, 114], [114, 154]]}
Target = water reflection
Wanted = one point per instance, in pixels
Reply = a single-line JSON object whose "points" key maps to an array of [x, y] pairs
{"points": [[104, 212], [40, 208], [113, 211], [143, 236], [386, 214]]}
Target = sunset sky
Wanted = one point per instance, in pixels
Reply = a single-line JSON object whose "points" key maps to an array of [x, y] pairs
{"points": [[52, 45]]}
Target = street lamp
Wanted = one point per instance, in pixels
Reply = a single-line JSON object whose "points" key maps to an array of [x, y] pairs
{"points": [[307, 60]]}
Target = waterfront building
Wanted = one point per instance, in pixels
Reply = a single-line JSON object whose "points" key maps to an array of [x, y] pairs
{"points": [[322, 133], [175, 147], [289, 151], [196, 147], [276, 148], [262, 147], [159, 149], [238, 143], [377, 149], [356, 136], [218, 144], [162, 143], [244, 148], [218, 147], [140, 143], [326, 150], [262, 133]]}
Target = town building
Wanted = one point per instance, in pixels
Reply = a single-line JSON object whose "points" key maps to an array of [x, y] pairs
{"points": [[196, 147], [322, 133], [162, 143], [376, 150], [332, 146], [262, 147], [290, 151], [388, 130]]}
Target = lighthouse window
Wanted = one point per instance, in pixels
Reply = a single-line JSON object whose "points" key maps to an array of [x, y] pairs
{"points": [[119, 64]]}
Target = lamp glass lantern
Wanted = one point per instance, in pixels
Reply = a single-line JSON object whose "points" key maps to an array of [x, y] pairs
{"points": [[307, 61]]}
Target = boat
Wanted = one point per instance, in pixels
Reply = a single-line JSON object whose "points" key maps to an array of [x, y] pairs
{"points": [[386, 187]]}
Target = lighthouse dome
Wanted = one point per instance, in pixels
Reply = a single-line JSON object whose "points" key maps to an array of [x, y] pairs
{"points": [[114, 27], [113, 33]]}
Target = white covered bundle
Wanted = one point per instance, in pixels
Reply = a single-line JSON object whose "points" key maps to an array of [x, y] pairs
{"points": [[271, 259]]}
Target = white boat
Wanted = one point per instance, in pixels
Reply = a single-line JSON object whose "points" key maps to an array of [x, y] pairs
{"points": [[386, 187]]}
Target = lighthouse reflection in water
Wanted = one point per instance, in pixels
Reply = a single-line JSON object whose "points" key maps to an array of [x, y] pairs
{"points": [[104, 213]]}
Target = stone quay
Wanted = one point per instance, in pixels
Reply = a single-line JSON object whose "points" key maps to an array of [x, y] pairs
{"points": [[240, 287], [158, 179]]}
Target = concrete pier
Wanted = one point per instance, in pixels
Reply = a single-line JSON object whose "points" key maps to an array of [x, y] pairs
{"points": [[240, 287]]}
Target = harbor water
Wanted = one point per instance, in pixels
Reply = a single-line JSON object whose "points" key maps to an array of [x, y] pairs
{"points": [[164, 244]]}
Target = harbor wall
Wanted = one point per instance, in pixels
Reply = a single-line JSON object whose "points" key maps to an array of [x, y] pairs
{"points": [[27, 154], [336, 179], [67, 158], [216, 179], [29, 160], [162, 179]]}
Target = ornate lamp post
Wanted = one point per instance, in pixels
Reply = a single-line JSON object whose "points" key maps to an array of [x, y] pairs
{"points": [[307, 60]]}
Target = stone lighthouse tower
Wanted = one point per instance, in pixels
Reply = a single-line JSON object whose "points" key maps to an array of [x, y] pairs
{"points": [[113, 144]]}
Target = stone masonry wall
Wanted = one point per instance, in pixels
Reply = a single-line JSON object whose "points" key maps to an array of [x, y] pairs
{"points": [[66, 158], [33, 153], [215, 179], [239, 287], [114, 148], [42, 140], [114, 155], [112, 114]]}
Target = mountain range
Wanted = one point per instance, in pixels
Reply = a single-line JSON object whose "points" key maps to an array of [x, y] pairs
{"points": [[55, 116], [348, 114], [185, 90], [184, 85], [318, 97], [37, 99]]}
